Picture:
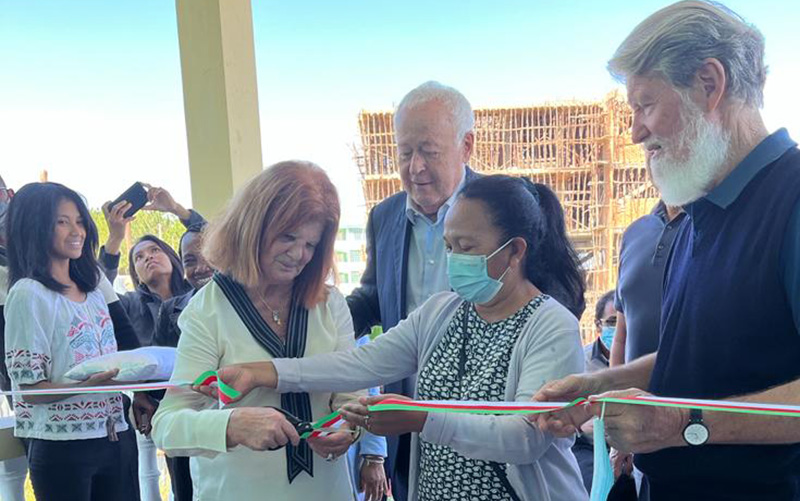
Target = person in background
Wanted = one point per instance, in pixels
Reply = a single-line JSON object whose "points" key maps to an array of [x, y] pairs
{"points": [[198, 273], [643, 254], [406, 261], [80, 447], [605, 323], [12, 471], [157, 276], [367, 457], [596, 358]]}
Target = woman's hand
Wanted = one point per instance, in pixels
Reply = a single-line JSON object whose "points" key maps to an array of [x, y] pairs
{"points": [[384, 422], [566, 422], [373, 480], [116, 220], [101, 379], [332, 445], [260, 429], [244, 378]]}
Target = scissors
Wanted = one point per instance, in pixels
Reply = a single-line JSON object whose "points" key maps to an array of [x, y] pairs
{"points": [[306, 427]]}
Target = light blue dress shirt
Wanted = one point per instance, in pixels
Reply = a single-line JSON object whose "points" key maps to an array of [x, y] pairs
{"points": [[427, 262]]}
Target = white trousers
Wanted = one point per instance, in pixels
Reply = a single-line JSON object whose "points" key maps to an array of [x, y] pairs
{"points": [[148, 469]]}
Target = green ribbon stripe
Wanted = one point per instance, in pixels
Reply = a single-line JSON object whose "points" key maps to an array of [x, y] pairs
{"points": [[466, 410], [686, 405]]}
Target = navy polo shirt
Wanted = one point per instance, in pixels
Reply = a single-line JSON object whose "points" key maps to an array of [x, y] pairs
{"points": [[767, 152], [643, 254], [729, 324]]}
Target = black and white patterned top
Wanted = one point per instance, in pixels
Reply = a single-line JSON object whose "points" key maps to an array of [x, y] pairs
{"points": [[487, 347]]}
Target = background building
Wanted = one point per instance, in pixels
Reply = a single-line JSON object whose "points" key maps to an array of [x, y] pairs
{"points": [[582, 150], [351, 256]]}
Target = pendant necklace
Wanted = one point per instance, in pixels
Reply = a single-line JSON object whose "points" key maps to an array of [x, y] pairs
{"points": [[276, 317]]}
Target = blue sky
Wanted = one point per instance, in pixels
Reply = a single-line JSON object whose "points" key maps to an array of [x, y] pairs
{"points": [[91, 90]]}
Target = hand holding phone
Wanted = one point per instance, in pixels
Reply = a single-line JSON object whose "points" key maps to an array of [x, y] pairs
{"points": [[136, 195]]}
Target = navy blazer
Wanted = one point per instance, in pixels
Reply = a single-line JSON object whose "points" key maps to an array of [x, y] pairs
{"points": [[381, 297]]}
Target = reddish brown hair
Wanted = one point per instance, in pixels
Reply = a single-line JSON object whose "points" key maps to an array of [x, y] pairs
{"points": [[281, 198]]}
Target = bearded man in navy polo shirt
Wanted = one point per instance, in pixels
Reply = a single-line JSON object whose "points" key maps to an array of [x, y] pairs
{"points": [[730, 315]]}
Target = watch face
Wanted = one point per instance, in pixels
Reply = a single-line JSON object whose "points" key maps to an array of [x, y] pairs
{"points": [[695, 434]]}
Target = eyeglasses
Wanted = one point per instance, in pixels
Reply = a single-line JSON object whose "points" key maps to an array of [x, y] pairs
{"points": [[608, 322], [6, 194]]}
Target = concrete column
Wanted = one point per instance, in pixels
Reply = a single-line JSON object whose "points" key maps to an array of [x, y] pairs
{"points": [[220, 98]]}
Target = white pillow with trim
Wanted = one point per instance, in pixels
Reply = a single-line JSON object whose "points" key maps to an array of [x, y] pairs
{"points": [[151, 363]]}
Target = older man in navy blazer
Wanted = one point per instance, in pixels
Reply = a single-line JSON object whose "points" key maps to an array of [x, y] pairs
{"points": [[405, 247]]}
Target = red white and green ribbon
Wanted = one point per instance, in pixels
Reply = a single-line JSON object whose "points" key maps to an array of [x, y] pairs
{"points": [[506, 408], [226, 393], [327, 424], [74, 390]]}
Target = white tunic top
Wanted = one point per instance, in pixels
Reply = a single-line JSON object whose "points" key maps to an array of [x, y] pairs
{"points": [[46, 335], [191, 424]]}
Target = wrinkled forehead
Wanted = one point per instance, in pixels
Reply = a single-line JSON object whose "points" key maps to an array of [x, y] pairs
{"points": [[431, 122], [646, 88]]}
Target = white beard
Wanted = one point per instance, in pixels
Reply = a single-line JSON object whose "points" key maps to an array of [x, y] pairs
{"points": [[682, 181]]}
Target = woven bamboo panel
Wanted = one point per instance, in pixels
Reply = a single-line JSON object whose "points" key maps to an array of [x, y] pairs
{"points": [[582, 150]]}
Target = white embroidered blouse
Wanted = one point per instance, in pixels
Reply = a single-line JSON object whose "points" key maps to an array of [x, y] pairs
{"points": [[46, 335]]}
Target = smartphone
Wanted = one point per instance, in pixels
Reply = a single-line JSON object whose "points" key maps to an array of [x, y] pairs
{"points": [[136, 195]]}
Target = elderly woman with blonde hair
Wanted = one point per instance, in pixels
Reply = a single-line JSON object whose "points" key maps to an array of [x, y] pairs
{"points": [[273, 247]]}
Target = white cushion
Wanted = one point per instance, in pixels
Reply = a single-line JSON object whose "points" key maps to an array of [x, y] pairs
{"points": [[152, 363]]}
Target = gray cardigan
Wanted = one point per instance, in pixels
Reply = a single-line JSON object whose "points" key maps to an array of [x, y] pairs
{"points": [[542, 467]]}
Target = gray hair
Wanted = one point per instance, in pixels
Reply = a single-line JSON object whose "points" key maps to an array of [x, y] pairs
{"points": [[453, 100], [677, 39]]}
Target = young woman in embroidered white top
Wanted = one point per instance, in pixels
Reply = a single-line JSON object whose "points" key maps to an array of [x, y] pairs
{"points": [[79, 446]]}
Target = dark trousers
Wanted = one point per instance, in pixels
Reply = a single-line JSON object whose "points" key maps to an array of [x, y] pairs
{"points": [[180, 477], [85, 470], [583, 449], [399, 447], [397, 464]]}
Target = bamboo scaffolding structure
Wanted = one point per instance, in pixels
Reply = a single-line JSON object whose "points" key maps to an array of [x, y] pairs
{"points": [[582, 150]]}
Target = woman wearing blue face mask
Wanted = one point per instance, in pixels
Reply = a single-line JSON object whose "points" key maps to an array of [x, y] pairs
{"points": [[497, 337]]}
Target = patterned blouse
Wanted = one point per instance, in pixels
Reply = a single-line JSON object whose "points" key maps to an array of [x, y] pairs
{"points": [[469, 364], [46, 335]]}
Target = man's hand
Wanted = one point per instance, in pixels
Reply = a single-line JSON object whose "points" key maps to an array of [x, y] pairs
{"points": [[332, 445], [384, 422], [640, 428], [566, 422], [260, 429], [373, 481], [622, 462], [160, 200], [144, 407]]}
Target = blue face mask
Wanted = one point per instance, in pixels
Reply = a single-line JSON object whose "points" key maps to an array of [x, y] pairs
{"points": [[603, 475], [607, 336], [469, 276]]}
